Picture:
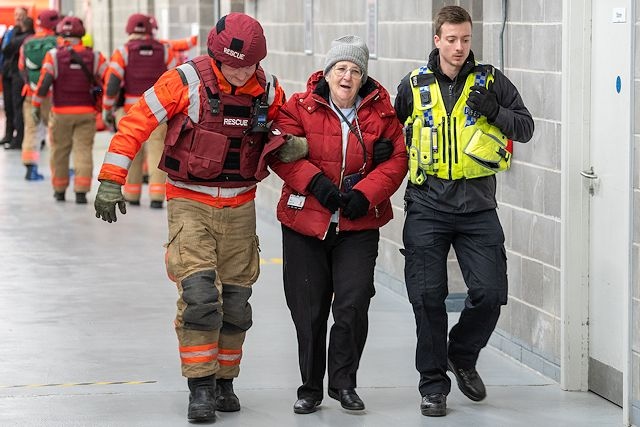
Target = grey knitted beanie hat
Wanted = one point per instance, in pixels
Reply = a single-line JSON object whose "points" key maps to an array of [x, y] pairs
{"points": [[348, 48]]}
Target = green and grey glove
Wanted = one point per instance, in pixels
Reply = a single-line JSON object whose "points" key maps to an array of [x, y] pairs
{"points": [[108, 196], [35, 114], [295, 148], [109, 120]]}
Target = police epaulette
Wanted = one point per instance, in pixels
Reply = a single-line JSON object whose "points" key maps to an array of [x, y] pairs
{"points": [[420, 80]]}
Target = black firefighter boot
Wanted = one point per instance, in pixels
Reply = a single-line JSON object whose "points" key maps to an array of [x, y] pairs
{"points": [[202, 399], [226, 399]]}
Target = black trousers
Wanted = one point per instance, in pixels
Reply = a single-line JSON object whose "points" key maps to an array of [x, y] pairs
{"points": [[18, 117], [478, 241], [17, 99], [339, 268], [7, 96]]}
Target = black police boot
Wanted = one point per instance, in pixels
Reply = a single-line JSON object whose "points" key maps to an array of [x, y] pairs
{"points": [[226, 399], [202, 399], [469, 382], [156, 204], [59, 196]]}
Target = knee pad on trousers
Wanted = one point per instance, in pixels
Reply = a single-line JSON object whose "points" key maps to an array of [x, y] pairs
{"points": [[203, 311], [237, 310]]}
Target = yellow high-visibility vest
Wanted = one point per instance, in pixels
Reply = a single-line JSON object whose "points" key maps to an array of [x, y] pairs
{"points": [[462, 144]]}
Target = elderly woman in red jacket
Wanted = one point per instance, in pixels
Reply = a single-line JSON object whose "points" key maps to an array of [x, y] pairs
{"points": [[332, 205]]}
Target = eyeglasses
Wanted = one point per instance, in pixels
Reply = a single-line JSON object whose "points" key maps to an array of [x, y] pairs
{"points": [[342, 71]]}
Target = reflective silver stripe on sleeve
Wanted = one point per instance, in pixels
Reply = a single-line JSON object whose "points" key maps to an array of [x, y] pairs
{"points": [[117, 68], [125, 56], [154, 105], [194, 90], [108, 102], [271, 82], [131, 99], [117, 160], [52, 68], [36, 98]]}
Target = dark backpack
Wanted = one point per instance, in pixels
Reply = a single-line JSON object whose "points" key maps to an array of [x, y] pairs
{"points": [[34, 51]]}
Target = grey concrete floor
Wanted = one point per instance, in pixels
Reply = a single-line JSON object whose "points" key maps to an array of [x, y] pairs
{"points": [[87, 337]]}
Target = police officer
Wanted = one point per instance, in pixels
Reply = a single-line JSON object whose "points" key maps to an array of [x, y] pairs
{"points": [[134, 68], [74, 71], [32, 54], [216, 108], [460, 118]]}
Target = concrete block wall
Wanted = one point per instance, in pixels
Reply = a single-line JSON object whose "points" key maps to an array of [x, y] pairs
{"points": [[529, 194]]}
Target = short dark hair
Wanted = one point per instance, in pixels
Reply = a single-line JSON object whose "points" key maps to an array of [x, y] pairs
{"points": [[451, 15]]}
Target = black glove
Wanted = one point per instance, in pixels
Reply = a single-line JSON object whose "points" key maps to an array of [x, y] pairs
{"points": [[356, 205], [326, 192], [484, 101], [382, 150]]}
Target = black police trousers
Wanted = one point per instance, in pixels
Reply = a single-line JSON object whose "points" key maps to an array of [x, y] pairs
{"points": [[317, 272], [478, 241]]}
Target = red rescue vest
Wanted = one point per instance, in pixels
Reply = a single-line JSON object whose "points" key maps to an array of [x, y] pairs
{"points": [[146, 63], [71, 87], [219, 150]]}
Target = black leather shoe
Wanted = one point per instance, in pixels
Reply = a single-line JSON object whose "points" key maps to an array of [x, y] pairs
{"points": [[434, 405], [59, 196], [306, 405], [469, 382], [13, 145], [226, 399], [156, 204], [348, 398]]}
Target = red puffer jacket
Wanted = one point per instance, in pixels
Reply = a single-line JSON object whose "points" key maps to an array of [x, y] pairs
{"points": [[309, 114]]}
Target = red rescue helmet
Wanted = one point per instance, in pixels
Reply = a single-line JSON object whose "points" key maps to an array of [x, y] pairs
{"points": [[139, 24], [153, 22], [70, 26], [48, 18], [237, 40]]}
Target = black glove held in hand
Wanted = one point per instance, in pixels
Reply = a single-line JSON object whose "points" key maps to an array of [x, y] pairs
{"points": [[484, 101], [355, 205], [326, 192], [382, 150]]}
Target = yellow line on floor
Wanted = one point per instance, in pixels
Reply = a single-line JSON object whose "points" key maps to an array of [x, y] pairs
{"points": [[78, 384]]}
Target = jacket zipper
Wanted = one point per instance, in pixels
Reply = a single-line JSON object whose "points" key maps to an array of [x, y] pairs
{"points": [[448, 131]]}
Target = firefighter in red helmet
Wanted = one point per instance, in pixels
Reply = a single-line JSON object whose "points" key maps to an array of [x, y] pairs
{"points": [[218, 108], [134, 68], [76, 73]]}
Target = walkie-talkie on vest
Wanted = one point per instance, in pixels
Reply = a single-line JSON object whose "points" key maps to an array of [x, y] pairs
{"points": [[259, 113]]}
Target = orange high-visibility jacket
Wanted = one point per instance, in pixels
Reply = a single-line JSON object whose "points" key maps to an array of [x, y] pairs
{"points": [[172, 94]]}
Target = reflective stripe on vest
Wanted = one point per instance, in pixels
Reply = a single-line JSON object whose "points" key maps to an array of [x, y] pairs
{"points": [[452, 146]]}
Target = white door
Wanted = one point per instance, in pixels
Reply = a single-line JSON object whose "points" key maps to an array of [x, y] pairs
{"points": [[609, 182]]}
